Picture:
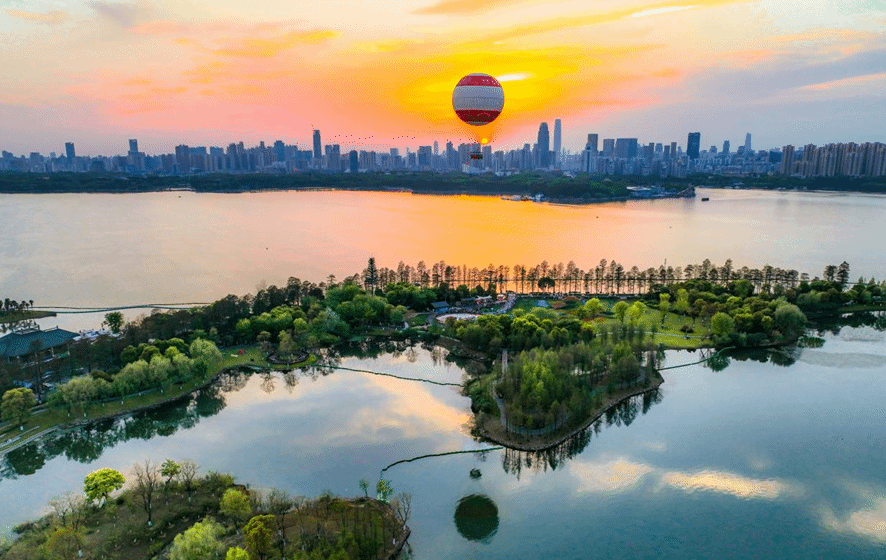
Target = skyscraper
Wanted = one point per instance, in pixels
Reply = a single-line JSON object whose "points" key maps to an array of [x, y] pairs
{"points": [[354, 161], [317, 153], [557, 146], [69, 151], [608, 146], [725, 147], [279, 150], [626, 148], [673, 149], [692, 145], [133, 146], [592, 143], [747, 143], [544, 146], [436, 148]]}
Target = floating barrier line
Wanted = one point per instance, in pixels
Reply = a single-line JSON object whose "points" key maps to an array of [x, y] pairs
{"points": [[442, 455], [444, 384], [711, 357]]}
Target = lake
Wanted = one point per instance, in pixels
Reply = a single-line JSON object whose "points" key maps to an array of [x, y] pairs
{"points": [[781, 458]]}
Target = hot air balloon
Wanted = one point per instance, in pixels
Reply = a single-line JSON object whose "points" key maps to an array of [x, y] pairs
{"points": [[478, 100]]}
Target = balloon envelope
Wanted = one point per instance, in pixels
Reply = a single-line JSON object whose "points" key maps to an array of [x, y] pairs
{"points": [[478, 99]]}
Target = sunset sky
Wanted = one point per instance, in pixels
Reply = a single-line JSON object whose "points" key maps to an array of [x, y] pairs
{"points": [[380, 74]]}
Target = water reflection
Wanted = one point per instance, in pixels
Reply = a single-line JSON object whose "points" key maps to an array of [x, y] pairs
{"points": [[476, 518], [85, 444], [514, 461]]}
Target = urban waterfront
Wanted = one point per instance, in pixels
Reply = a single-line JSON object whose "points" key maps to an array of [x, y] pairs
{"points": [[765, 459]]}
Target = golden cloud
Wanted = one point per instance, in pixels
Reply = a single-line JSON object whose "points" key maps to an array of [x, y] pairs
{"points": [[462, 7], [869, 523], [727, 483], [267, 48], [48, 18], [608, 477], [869, 360]]}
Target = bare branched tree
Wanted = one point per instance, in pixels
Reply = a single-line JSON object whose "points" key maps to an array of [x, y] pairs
{"points": [[147, 482]]}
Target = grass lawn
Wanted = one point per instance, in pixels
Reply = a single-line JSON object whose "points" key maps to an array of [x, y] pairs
{"points": [[418, 320]]}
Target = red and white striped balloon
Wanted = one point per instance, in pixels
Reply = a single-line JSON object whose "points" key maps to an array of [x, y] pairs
{"points": [[478, 99]]}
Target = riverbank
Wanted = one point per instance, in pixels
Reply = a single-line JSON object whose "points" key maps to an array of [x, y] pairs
{"points": [[45, 420], [17, 316], [491, 427], [362, 527]]}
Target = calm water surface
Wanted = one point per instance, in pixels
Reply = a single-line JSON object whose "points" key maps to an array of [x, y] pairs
{"points": [[759, 460], [97, 249], [756, 461]]}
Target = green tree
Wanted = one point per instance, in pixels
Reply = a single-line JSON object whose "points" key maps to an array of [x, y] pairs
{"points": [[664, 305], [199, 542], [364, 485], [65, 544], [114, 321], [591, 309], [259, 535], [789, 320], [204, 351], [383, 489], [546, 282], [722, 324], [370, 275], [17, 404], [236, 553], [620, 309], [235, 504], [99, 484], [681, 305], [636, 311], [170, 469]]}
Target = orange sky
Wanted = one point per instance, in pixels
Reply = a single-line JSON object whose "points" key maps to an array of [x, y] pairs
{"points": [[373, 75]]}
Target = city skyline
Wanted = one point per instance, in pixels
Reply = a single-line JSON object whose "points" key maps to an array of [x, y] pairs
{"points": [[168, 73]]}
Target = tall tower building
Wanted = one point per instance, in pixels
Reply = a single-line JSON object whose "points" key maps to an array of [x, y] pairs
{"points": [[557, 139], [693, 143], [592, 143], [133, 146], [436, 148], [317, 152], [673, 149], [608, 146], [544, 146], [747, 143], [725, 147], [69, 150]]}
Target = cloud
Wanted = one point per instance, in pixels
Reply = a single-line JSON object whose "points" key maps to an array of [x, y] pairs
{"points": [[727, 483], [266, 48], [608, 477], [869, 523], [656, 11], [124, 14], [48, 18], [463, 7], [843, 83]]}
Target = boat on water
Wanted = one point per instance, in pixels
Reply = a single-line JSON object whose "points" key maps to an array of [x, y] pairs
{"points": [[705, 199]]}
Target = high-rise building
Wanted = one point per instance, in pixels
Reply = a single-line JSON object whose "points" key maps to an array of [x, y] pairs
{"points": [[592, 143], [69, 151], [133, 146], [436, 148], [279, 151], [725, 147], [608, 147], [787, 160], [544, 146], [673, 150], [747, 143], [317, 153], [354, 161], [693, 143], [183, 159], [557, 144], [626, 148]]}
